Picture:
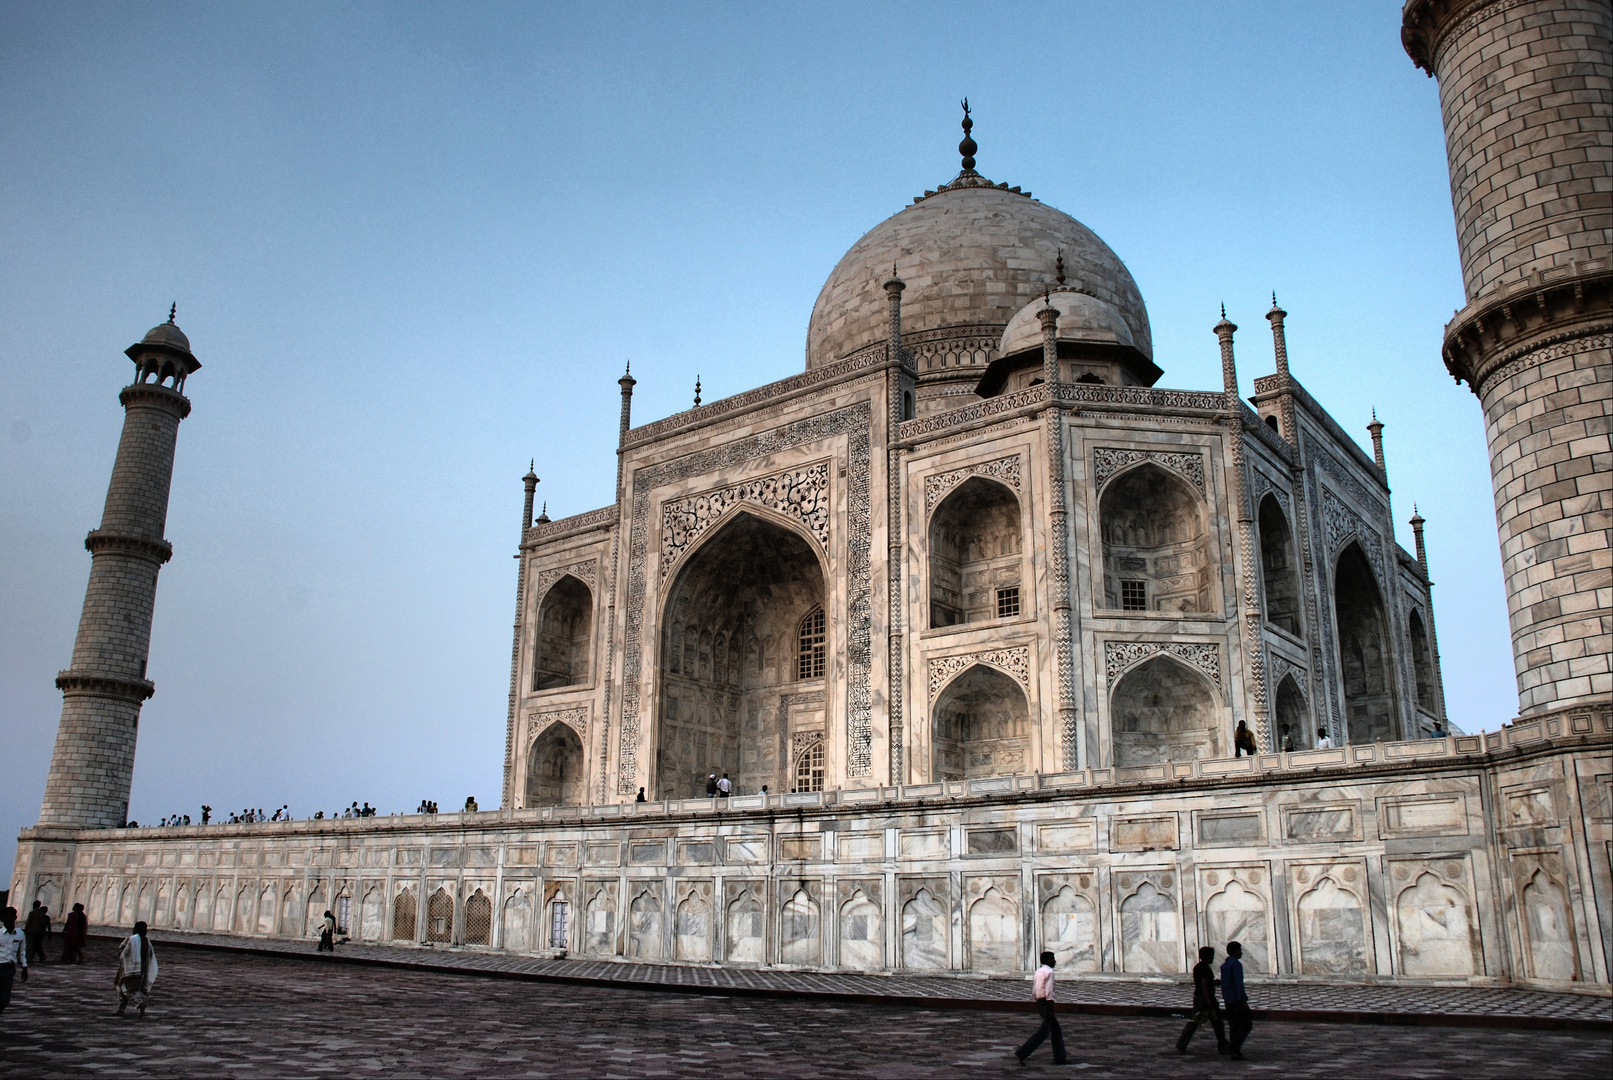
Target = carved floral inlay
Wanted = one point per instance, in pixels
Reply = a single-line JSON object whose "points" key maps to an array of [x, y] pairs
{"points": [[1106, 461], [538, 722], [586, 571], [1016, 662], [1344, 524], [801, 493], [938, 486], [1118, 656]]}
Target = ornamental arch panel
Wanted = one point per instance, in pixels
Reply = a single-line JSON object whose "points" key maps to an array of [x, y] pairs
{"points": [[561, 655], [1163, 710], [976, 542], [1157, 554], [981, 726], [1277, 567], [1364, 662], [554, 772]]}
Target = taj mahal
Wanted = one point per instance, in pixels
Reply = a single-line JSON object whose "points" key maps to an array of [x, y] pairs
{"points": [[972, 612]]}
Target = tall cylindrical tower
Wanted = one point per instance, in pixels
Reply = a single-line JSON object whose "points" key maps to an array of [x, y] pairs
{"points": [[93, 763], [1526, 90]]}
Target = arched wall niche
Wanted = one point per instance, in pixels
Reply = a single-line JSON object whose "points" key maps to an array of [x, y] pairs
{"points": [[554, 772], [731, 651], [565, 635], [1422, 663], [976, 544], [1369, 703], [981, 726], [1163, 710], [1277, 567], [1156, 544], [1293, 716]]}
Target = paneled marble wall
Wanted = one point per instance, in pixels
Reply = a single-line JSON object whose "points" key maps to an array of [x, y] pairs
{"points": [[1474, 858]]}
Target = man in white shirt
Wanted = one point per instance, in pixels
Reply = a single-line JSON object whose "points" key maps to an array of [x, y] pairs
{"points": [[1042, 992], [13, 954], [725, 787], [1323, 742]]}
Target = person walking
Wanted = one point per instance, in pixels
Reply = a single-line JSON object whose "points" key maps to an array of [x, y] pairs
{"points": [[137, 970], [1243, 740], [1237, 1001], [35, 931], [13, 955], [327, 934], [1205, 1010], [74, 932], [1042, 994]]}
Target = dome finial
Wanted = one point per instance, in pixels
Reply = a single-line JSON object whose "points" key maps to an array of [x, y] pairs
{"points": [[1059, 268], [173, 309], [968, 146], [697, 391]]}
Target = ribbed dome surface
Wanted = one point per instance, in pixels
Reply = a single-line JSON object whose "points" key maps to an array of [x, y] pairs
{"points": [[167, 334], [971, 256]]}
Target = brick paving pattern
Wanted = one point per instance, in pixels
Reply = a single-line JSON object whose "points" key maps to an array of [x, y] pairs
{"points": [[226, 1012], [1274, 999]]}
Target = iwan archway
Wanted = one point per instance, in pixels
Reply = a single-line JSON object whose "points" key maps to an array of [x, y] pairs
{"points": [[743, 659]]}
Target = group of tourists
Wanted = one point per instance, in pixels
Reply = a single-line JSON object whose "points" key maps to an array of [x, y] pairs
{"points": [[1243, 740], [1205, 1009], [137, 960]]}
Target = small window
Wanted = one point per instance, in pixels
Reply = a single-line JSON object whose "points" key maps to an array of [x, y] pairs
{"points": [[809, 768], [559, 924], [907, 405], [1008, 602], [1271, 422], [1133, 595], [1089, 377], [810, 663], [344, 908]]}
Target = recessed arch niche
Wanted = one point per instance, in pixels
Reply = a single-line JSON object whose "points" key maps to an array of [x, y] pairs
{"points": [[1363, 653], [981, 726], [730, 638], [554, 771], [565, 628], [1156, 543], [1422, 662], [1277, 567], [1293, 716], [976, 544], [1163, 710]]}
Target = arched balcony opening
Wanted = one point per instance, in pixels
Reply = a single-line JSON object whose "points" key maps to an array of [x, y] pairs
{"points": [[1369, 703], [554, 771], [565, 631], [1293, 716], [1277, 567], [1162, 710], [981, 727], [1156, 545], [975, 554], [1422, 662]]}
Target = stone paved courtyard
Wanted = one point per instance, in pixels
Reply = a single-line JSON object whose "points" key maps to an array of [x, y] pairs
{"points": [[238, 1014]]}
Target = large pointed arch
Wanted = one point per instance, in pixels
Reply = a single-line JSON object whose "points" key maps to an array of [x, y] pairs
{"points": [[980, 726], [1277, 566], [1164, 710], [1157, 549], [1365, 666], [563, 649], [976, 544]]}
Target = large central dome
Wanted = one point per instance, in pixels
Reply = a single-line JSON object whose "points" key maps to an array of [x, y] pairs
{"points": [[972, 254]]}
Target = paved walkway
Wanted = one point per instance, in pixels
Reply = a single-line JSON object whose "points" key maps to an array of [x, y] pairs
{"points": [[1337, 1003], [241, 1014]]}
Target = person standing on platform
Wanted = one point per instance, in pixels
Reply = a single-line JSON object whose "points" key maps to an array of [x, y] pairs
{"points": [[13, 955], [711, 786], [1205, 1010], [725, 787], [1323, 740], [1243, 741], [36, 930], [1042, 993], [1239, 1019], [74, 932], [327, 934], [137, 970]]}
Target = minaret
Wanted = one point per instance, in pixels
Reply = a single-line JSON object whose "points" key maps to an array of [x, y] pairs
{"points": [[1526, 93], [1285, 381], [92, 765], [1252, 632], [1375, 429]]}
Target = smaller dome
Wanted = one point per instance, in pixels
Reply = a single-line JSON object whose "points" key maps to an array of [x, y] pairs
{"points": [[168, 336], [1081, 318]]}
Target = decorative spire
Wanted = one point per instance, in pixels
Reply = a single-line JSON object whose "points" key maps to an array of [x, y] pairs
{"points": [[530, 481], [543, 515], [968, 146], [1376, 428], [1229, 371], [697, 391], [1058, 268], [173, 308], [1417, 523]]}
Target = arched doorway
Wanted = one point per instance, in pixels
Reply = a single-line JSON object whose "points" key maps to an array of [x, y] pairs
{"points": [[554, 768], [565, 627], [1162, 710], [743, 628], [1364, 659], [1422, 662], [982, 727], [1277, 567], [975, 545], [1156, 550], [1293, 716]]}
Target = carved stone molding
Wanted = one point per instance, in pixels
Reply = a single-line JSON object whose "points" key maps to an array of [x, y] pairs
{"points": [[1571, 347], [1121, 656], [586, 571], [1106, 461], [538, 722], [1346, 480], [1016, 662], [802, 740], [854, 422], [1281, 667], [1092, 394], [802, 494], [1344, 524], [938, 486]]}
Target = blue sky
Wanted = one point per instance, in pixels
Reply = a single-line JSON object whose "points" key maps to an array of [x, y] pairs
{"points": [[414, 245]]}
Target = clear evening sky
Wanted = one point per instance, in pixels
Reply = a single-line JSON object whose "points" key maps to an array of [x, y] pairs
{"points": [[414, 244]]}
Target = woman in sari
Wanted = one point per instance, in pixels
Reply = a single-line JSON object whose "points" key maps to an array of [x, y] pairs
{"points": [[137, 970]]}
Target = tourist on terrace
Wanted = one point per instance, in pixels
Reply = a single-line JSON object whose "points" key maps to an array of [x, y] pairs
{"points": [[725, 787], [13, 955], [36, 930], [1244, 740], [711, 786], [327, 934], [1237, 1000], [74, 932], [1042, 993], [1323, 740], [1205, 1010], [137, 970]]}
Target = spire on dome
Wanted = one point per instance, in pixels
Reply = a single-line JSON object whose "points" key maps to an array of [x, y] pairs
{"points": [[173, 309], [968, 146], [1059, 268]]}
